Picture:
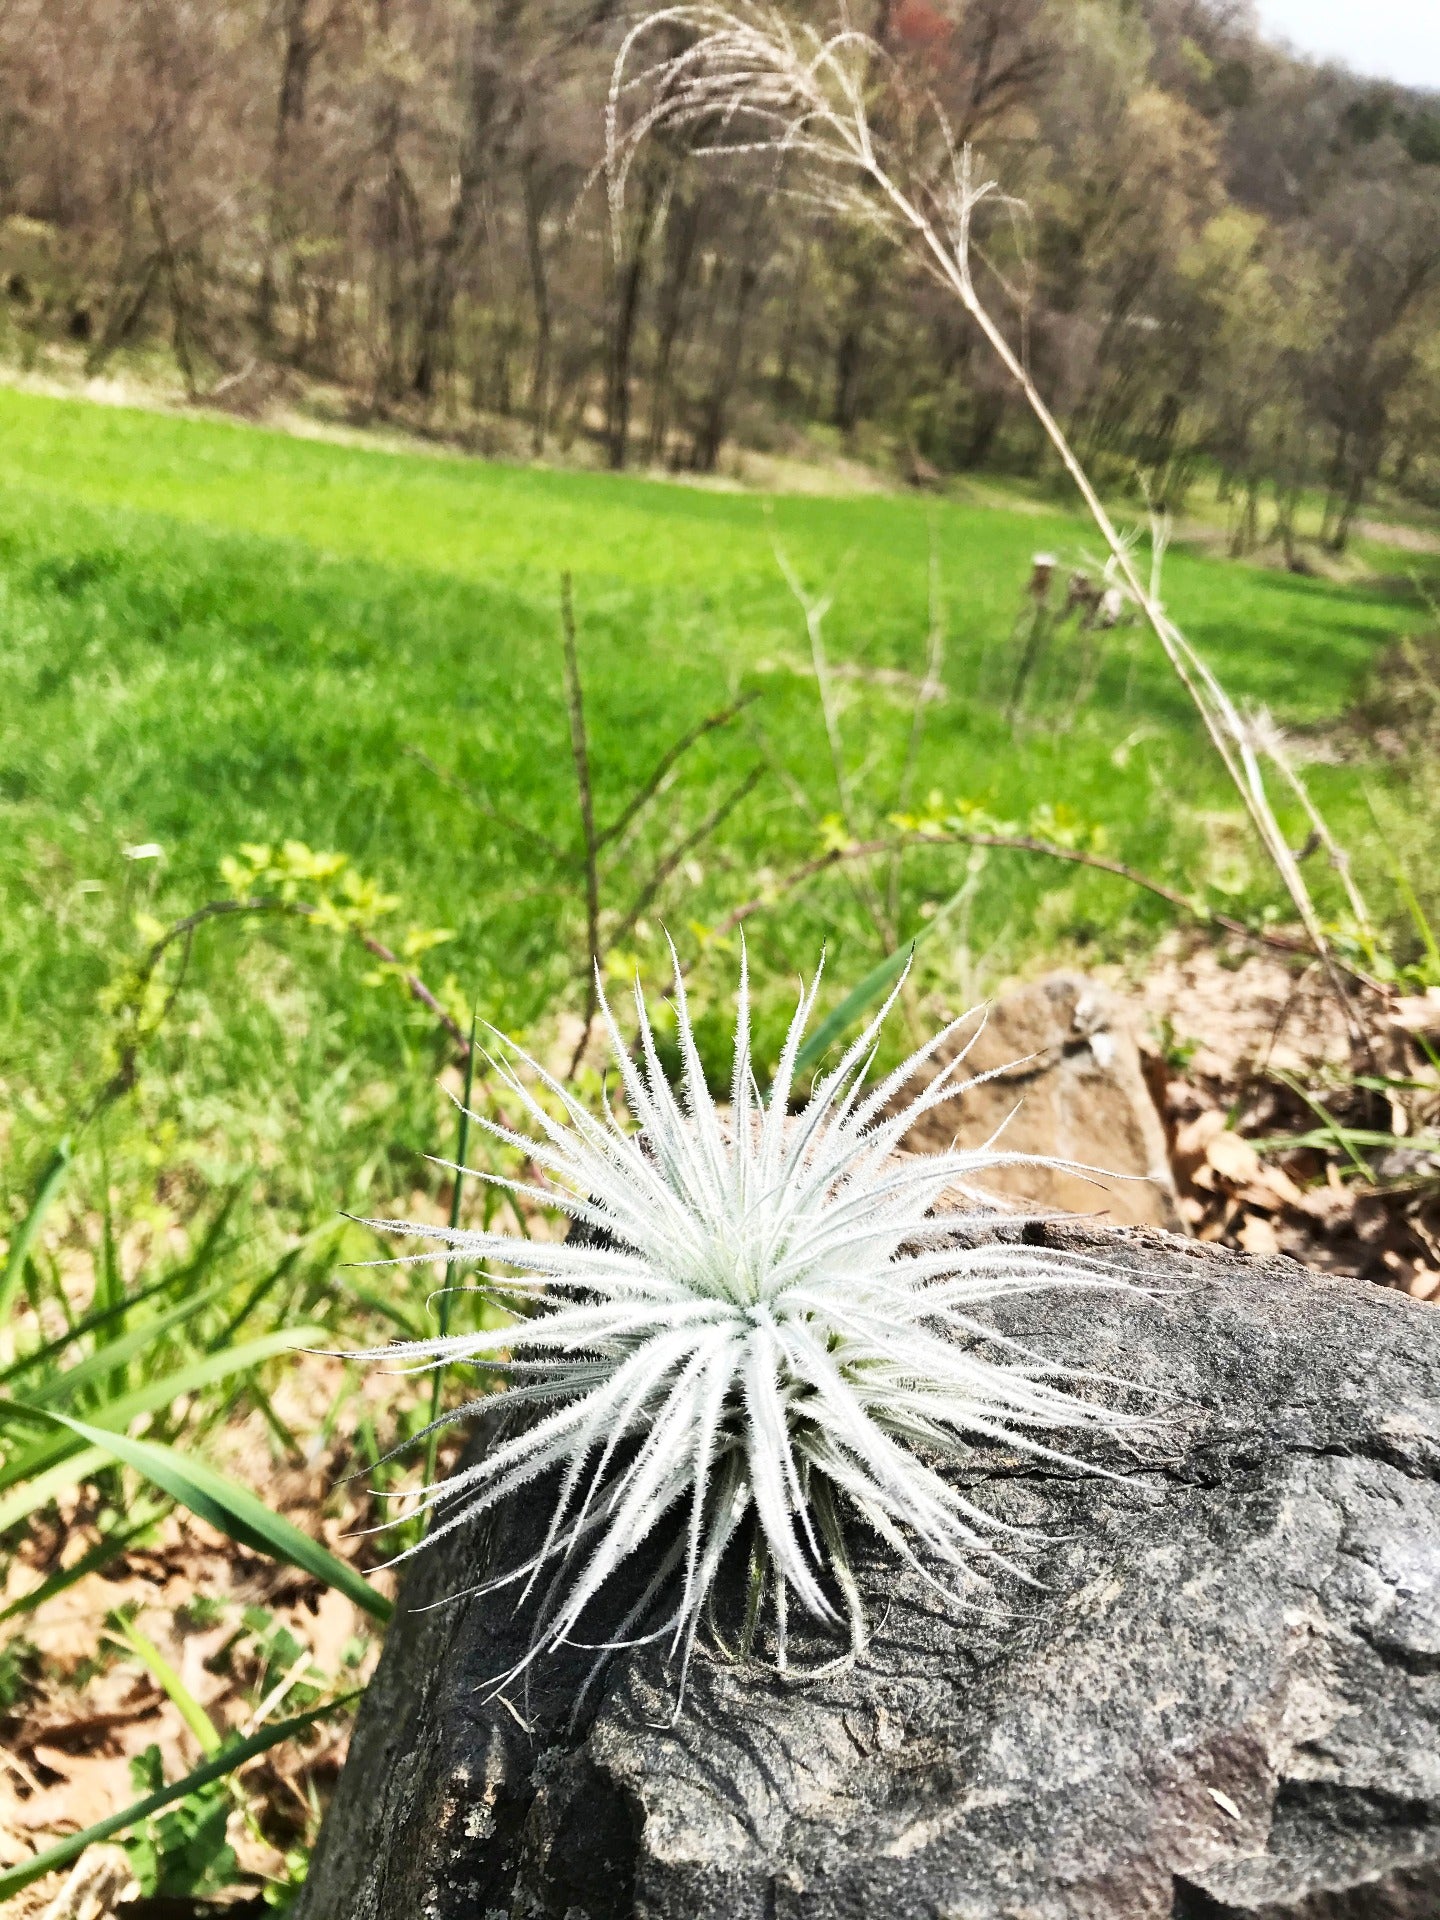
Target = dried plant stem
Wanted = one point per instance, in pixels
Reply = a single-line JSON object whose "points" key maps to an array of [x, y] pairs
{"points": [[452, 1269], [604, 836], [1277, 751], [595, 839], [747, 81], [1022, 843], [580, 752], [1222, 722], [814, 611], [931, 688]]}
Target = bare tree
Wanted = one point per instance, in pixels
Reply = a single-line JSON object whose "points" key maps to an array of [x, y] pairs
{"points": [[389, 194]]}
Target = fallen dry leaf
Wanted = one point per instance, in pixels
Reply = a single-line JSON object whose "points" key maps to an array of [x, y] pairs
{"points": [[330, 1629], [66, 1632], [1273, 1188], [1230, 1159], [97, 1784], [1258, 1235], [98, 1882], [1418, 1015], [1192, 1140]]}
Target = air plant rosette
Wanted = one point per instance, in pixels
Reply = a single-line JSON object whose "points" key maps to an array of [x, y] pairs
{"points": [[762, 1332]]}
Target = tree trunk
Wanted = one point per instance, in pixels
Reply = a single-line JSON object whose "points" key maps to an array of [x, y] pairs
{"points": [[850, 354], [299, 51], [628, 284], [682, 232], [722, 392], [1350, 505], [483, 137], [170, 267], [795, 306], [534, 202]]}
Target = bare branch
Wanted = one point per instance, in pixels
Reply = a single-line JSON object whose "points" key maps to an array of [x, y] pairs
{"points": [[650, 787], [1023, 843], [483, 807], [686, 847], [580, 752]]}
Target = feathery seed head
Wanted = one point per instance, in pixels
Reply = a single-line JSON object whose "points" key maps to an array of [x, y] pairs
{"points": [[762, 1331]]}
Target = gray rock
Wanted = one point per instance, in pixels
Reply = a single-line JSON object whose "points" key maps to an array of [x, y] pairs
{"points": [[1224, 1701]]}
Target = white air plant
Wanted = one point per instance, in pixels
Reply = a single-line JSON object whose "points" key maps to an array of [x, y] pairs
{"points": [[763, 1335]]}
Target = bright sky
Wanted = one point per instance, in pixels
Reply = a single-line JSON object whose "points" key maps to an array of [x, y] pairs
{"points": [[1394, 39]]}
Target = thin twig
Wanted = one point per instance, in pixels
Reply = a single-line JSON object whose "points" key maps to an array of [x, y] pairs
{"points": [[634, 806], [645, 793], [413, 984], [183, 931], [482, 806], [1021, 843], [580, 752], [687, 846]]}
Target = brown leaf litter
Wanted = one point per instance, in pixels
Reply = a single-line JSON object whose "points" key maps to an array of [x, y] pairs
{"points": [[1249, 1055], [245, 1635]]}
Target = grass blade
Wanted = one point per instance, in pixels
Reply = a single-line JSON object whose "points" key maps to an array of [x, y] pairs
{"points": [[46, 1188], [118, 1414], [233, 1510], [1345, 1139], [226, 1761], [170, 1683], [257, 1293], [432, 1445], [40, 1487], [871, 988], [876, 983], [110, 1358], [1336, 1136], [89, 1323], [100, 1555], [102, 1316], [414, 1325]]}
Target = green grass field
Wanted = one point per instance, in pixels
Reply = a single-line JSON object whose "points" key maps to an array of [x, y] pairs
{"points": [[215, 635]]}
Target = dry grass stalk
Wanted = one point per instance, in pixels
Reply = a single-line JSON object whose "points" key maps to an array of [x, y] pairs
{"points": [[745, 80]]}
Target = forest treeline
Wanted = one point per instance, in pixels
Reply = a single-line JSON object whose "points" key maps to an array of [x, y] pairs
{"points": [[1229, 255]]}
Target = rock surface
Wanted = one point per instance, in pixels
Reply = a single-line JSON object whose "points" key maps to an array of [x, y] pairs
{"points": [[1069, 1084], [1224, 1702]]}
